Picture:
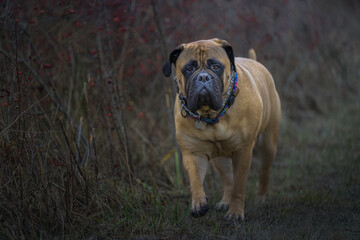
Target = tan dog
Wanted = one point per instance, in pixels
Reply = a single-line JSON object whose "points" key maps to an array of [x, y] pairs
{"points": [[219, 120]]}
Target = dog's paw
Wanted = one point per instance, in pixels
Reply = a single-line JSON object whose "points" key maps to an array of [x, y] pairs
{"points": [[234, 215], [198, 210], [222, 206]]}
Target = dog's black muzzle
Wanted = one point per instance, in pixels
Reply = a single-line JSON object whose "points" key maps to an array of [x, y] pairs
{"points": [[204, 89]]}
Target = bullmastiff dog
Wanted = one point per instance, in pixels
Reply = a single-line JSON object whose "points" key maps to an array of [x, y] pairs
{"points": [[226, 106]]}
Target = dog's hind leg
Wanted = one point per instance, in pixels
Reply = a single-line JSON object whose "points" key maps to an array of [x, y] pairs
{"points": [[224, 167], [266, 144]]}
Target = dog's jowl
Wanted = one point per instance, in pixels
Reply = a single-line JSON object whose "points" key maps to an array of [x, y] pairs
{"points": [[225, 107]]}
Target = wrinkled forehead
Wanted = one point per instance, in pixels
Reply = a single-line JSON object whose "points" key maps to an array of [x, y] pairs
{"points": [[202, 51]]}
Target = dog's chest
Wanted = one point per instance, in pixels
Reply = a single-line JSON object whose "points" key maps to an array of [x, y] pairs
{"points": [[221, 149], [220, 141]]}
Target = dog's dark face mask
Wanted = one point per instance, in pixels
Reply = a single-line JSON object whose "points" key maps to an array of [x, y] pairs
{"points": [[202, 68], [204, 86]]}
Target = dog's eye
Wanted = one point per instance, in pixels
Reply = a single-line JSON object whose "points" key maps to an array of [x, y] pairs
{"points": [[215, 66], [189, 68]]}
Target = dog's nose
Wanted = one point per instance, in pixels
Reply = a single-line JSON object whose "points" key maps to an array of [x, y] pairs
{"points": [[203, 77]]}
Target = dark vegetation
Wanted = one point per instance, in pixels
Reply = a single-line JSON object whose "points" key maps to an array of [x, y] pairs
{"points": [[86, 130]]}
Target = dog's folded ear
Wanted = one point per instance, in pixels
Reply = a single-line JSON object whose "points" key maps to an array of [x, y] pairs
{"points": [[172, 60], [228, 49], [167, 69]]}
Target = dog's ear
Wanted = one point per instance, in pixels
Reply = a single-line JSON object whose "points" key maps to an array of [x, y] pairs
{"points": [[228, 49], [172, 60]]}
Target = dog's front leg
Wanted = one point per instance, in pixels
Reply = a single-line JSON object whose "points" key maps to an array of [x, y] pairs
{"points": [[196, 166], [241, 165]]}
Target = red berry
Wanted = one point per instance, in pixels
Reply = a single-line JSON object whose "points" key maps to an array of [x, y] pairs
{"points": [[141, 114], [109, 114], [93, 52], [6, 104], [77, 23], [91, 82], [47, 65]]}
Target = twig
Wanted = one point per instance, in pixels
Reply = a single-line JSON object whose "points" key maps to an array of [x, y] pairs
{"points": [[157, 21], [120, 116], [22, 113], [171, 87], [5, 54]]}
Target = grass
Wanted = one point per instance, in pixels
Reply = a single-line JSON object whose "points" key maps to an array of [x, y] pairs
{"points": [[314, 194]]}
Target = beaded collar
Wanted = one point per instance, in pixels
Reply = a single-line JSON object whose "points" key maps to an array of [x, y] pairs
{"points": [[229, 99]]}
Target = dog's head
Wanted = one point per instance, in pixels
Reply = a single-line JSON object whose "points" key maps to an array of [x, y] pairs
{"points": [[203, 70]]}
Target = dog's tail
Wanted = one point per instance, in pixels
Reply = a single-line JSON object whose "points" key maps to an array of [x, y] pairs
{"points": [[252, 54]]}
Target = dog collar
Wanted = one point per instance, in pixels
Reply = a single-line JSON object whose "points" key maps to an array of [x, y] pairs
{"points": [[229, 99]]}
